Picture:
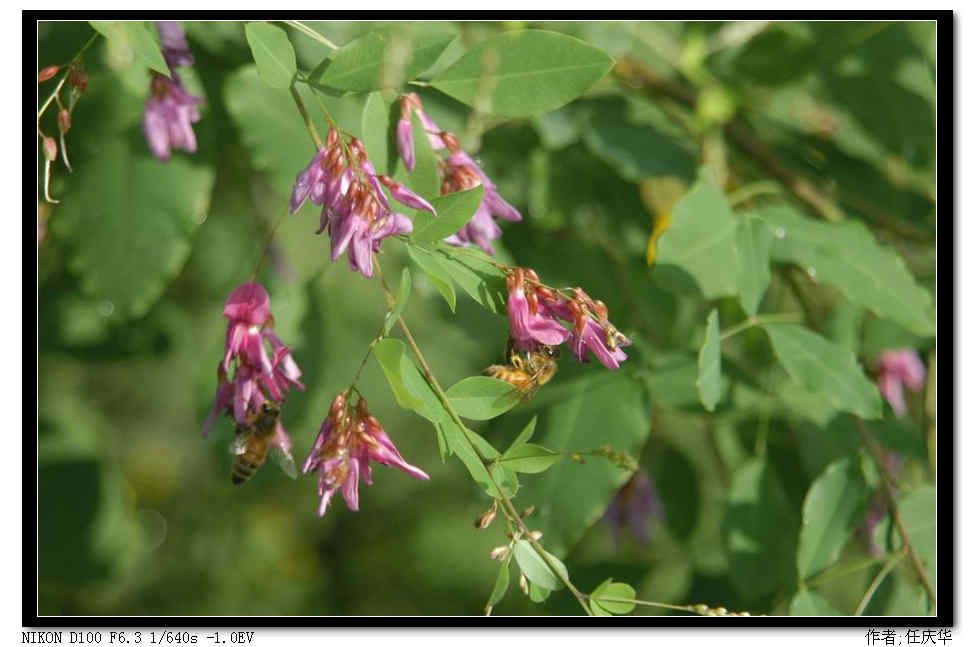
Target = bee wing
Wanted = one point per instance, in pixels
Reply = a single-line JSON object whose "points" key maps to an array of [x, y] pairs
{"points": [[238, 445], [284, 461]]}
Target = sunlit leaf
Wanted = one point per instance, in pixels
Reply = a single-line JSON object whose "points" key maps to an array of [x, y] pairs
{"points": [[273, 53], [709, 364], [482, 398], [134, 34]]}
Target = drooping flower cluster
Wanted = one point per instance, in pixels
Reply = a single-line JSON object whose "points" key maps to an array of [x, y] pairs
{"points": [[538, 314], [895, 370], [459, 172], [248, 376], [355, 210], [170, 110], [348, 440], [635, 509]]}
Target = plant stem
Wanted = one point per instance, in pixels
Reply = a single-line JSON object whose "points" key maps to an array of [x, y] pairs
{"points": [[888, 567], [889, 489], [267, 244], [508, 507], [758, 320], [304, 116], [311, 33]]}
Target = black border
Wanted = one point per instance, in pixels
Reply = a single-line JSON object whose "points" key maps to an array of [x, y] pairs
{"points": [[946, 482]]}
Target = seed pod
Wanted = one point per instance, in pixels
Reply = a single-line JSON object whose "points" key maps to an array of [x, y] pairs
{"points": [[50, 149], [64, 121], [48, 73], [485, 519]]}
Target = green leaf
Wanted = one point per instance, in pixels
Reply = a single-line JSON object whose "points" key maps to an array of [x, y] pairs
{"points": [[760, 531], [709, 364], [611, 589], [830, 515], [473, 272], [437, 273], [529, 458], [385, 58], [402, 296], [535, 568], [136, 35], [500, 585], [279, 146], [702, 238], [846, 256], [525, 434], [425, 178], [754, 243], [601, 408], [537, 593], [824, 367], [375, 131], [273, 53], [524, 73], [454, 210], [919, 512], [810, 603], [482, 398], [460, 444], [128, 217], [391, 354]]}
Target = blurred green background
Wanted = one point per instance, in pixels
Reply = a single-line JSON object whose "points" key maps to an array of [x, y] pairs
{"points": [[137, 514]]}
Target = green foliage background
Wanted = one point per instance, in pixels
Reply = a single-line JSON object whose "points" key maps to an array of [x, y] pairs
{"points": [[763, 478]]}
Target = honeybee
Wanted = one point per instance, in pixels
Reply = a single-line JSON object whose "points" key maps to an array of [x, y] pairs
{"points": [[527, 371], [253, 442]]}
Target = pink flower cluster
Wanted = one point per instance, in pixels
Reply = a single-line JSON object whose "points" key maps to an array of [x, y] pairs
{"points": [[249, 375], [170, 110], [895, 370], [538, 314], [348, 440], [355, 210], [459, 172]]}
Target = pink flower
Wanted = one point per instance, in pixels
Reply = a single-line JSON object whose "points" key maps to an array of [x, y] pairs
{"points": [[169, 117], [348, 440], [355, 209], [248, 375], [895, 370], [537, 314], [410, 103]]}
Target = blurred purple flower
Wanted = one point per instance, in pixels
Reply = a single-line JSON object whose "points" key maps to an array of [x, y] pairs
{"points": [[635, 509], [895, 370], [348, 440], [169, 117], [175, 49]]}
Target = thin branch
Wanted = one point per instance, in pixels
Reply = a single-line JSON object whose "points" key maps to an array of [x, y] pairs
{"points": [[889, 489], [868, 594], [758, 320], [311, 33], [307, 119]]}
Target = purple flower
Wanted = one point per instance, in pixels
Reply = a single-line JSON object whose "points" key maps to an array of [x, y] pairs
{"points": [[355, 209], [537, 314], [257, 375], [410, 103], [528, 328], [348, 440], [895, 370], [634, 508], [169, 117], [175, 49]]}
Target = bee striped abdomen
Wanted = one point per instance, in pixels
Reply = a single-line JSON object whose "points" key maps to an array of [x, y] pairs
{"points": [[247, 463]]}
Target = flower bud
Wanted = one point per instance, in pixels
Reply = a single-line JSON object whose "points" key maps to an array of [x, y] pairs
{"points": [[48, 73], [485, 519], [500, 553], [528, 512], [64, 121], [523, 583], [78, 78], [701, 609], [50, 149], [536, 534], [721, 611]]}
